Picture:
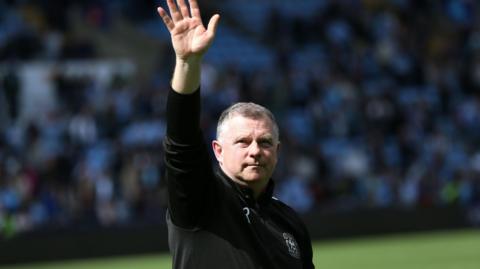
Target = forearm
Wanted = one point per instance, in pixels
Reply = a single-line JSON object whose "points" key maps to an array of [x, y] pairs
{"points": [[183, 116], [183, 103], [186, 76]]}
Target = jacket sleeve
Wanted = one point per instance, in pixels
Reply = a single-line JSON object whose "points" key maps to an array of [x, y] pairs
{"points": [[188, 167], [308, 256]]}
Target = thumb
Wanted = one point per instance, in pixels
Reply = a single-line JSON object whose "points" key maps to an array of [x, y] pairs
{"points": [[213, 25]]}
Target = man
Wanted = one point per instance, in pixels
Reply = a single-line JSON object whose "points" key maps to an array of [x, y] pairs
{"points": [[225, 218]]}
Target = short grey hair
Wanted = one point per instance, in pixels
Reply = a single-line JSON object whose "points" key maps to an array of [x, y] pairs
{"points": [[247, 110]]}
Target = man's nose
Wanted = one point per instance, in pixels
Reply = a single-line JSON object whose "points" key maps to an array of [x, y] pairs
{"points": [[254, 149]]}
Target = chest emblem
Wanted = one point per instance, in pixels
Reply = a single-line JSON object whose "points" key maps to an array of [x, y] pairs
{"points": [[292, 245]]}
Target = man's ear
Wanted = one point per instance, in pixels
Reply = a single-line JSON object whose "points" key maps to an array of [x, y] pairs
{"points": [[217, 149]]}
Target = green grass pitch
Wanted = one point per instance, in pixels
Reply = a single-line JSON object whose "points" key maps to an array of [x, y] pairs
{"points": [[435, 250]]}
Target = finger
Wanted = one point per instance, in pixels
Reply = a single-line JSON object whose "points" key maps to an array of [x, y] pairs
{"points": [[183, 8], [194, 9], [213, 25], [166, 19], [176, 15]]}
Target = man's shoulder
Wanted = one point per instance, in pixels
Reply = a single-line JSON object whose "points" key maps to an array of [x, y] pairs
{"points": [[283, 207]]}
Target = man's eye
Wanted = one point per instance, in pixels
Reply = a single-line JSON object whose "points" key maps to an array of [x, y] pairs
{"points": [[266, 143], [241, 142]]}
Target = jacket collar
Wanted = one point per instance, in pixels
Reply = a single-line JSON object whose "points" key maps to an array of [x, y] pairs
{"points": [[245, 192]]}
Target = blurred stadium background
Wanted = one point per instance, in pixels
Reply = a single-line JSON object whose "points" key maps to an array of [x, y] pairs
{"points": [[378, 104]]}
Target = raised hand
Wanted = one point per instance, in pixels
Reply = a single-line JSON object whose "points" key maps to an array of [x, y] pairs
{"points": [[189, 36]]}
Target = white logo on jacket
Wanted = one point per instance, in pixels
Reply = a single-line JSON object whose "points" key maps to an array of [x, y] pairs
{"points": [[291, 245], [246, 210]]}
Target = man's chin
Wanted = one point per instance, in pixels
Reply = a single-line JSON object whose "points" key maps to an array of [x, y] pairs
{"points": [[251, 177]]}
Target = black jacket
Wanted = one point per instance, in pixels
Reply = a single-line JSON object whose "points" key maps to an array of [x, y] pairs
{"points": [[212, 221]]}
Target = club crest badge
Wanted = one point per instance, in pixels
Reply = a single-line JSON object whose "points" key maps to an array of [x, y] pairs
{"points": [[292, 245]]}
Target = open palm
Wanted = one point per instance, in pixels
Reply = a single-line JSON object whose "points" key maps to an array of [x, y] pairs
{"points": [[189, 36]]}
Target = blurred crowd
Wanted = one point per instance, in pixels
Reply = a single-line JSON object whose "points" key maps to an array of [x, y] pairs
{"points": [[378, 103]]}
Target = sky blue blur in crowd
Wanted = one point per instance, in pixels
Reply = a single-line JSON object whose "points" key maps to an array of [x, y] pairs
{"points": [[378, 104]]}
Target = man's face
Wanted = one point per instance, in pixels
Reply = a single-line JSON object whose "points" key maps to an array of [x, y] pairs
{"points": [[247, 150]]}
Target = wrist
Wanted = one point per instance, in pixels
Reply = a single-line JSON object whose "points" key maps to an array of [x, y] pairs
{"points": [[186, 76], [188, 61]]}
